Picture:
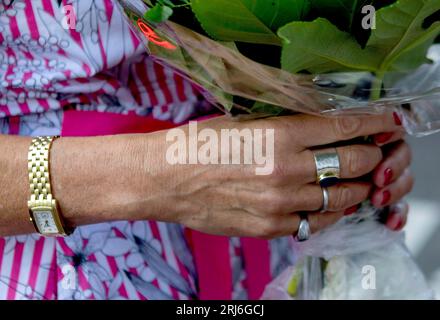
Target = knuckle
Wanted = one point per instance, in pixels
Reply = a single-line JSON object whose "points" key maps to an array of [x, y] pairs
{"points": [[273, 203], [354, 160], [346, 127], [362, 159], [341, 198], [279, 173], [269, 229]]}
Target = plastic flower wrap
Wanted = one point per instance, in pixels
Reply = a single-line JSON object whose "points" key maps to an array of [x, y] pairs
{"points": [[256, 58], [307, 66], [356, 258]]}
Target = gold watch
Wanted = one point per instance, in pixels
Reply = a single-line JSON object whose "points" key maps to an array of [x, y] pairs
{"points": [[43, 208]]}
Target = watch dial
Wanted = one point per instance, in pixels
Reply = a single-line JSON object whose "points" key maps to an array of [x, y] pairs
{"points": [[45, 222]]}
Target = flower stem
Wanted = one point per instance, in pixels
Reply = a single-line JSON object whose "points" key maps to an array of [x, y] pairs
{"points": [[376, 89]]}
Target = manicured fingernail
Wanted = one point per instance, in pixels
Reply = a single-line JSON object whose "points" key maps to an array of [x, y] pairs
{"points": [[397, 119], [388, 176], [396, 211], [350, 211], [399, 225], [394, 221], [382, 138], [386, 196]]}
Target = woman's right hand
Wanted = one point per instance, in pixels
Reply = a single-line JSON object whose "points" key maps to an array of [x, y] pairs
{"points": [[232, 200]]}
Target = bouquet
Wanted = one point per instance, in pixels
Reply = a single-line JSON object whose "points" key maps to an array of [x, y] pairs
{"points": [[257, 58]]}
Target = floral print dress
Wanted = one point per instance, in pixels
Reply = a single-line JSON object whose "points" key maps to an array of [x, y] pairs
{"points": [[102, 66]]}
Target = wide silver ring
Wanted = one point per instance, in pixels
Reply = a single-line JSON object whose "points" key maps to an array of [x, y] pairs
{"points": [[304, 232], [328, 169], [325, 195]]}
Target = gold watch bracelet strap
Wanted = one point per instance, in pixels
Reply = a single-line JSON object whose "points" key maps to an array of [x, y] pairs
{"points": [[39, 175], [38, 166]]}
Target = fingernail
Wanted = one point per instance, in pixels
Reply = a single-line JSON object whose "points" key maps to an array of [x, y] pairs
{"points": [[399, 225], [397, 119], [394, 221], [388, 176], [386, 196], [350, 211], [382, 138]]}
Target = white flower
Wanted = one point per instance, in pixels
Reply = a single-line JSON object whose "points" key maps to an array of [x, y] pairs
{"points": [[117, 246], [96, 274]]}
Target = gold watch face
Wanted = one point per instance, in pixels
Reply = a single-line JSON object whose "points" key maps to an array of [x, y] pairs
{"points": [[45, 221]]}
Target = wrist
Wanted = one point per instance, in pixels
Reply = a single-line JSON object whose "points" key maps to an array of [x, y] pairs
{"points": [[121, 177], [94, 179]]}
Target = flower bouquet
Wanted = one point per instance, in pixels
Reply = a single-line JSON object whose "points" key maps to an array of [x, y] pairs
{"points": [[256, 58]]}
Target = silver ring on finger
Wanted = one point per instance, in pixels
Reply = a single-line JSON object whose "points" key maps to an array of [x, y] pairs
{"points": [[304, 232], [326, 196], [328, 168]]}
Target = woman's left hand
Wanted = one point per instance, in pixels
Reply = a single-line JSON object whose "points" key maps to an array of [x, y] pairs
{"points": [[393, 179]]}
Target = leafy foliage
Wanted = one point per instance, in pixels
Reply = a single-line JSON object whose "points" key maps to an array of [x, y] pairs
{"points": [[319, 36], [233, 20], [158, 13]]}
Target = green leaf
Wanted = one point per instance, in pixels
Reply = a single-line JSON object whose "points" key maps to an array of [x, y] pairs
{"points": [[398, 42], [233, 20], [276, 13], [342, 13], [169, 3], [399, 37], [320, 47], [159, 13]]}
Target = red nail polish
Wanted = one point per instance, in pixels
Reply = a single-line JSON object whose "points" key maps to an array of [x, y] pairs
{"points": [[388, 176], [399, 225], [397, 119], [386, 196], [350, 211], [381, 138], [393, 221]]}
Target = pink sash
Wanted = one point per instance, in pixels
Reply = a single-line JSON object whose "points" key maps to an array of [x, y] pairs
{"points": [[211, 253]]}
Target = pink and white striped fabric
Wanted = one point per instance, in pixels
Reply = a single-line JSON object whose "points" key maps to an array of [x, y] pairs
{"points": [[100, 66]]}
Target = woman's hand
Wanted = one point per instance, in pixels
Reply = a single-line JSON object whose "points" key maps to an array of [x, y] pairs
{"points": [[232, 200], [127, 177]]}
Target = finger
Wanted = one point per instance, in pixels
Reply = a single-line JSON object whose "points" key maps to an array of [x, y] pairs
{"points": [[341, 197], [322, 131], [396, 161], [394, 192], [355, 161], [385, 138], [398, 216], [319, 221], [288, 225]]}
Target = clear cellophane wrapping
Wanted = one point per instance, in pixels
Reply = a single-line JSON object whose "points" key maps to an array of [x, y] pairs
{"points": [[225, 75]]}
